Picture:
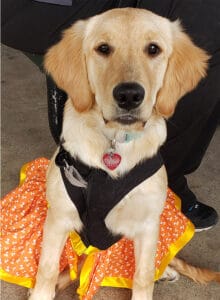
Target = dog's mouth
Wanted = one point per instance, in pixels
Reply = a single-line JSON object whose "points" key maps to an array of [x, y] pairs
{"points": [[126, 120]]}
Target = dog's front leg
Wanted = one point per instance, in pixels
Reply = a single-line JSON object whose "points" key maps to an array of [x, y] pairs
{"points": [[145, 245], [54, 238], [62, 217]]}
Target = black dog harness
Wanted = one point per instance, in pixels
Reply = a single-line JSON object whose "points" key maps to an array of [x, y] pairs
{"points": [[101, 194]]}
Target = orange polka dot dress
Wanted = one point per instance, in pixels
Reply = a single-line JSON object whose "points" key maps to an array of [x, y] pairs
{"points": [[23, 213]]}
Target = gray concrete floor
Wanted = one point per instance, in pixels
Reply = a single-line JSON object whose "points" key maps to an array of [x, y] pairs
{"points": [[25, 136]]}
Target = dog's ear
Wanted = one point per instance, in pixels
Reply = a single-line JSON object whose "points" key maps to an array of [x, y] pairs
{"points": [[65, 62], [187, 65]]}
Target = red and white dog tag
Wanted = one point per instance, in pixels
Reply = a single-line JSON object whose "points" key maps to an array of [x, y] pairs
{"points": [[111, 160]]}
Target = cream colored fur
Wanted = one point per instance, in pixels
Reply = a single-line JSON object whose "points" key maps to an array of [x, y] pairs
{"points": [[89, 126]]}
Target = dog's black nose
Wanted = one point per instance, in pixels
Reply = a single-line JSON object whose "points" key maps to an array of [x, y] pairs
{"points": [[128, 95]]}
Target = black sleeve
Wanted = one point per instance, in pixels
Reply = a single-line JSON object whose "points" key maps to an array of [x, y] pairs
{"points": [[33, 26]]}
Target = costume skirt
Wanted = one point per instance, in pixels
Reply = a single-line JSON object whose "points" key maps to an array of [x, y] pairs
{"points": [[23, 215]]}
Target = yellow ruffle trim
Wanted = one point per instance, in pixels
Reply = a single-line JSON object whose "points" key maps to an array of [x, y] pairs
{"points": [[23, 281], [179, 243], [175, 248], [23, 174]]}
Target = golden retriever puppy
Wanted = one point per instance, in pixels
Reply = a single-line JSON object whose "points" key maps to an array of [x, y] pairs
{"points": [[124, 72]]}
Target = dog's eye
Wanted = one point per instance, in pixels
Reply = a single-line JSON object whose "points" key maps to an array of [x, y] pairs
{"points": [[104, 49], [153, 50]]}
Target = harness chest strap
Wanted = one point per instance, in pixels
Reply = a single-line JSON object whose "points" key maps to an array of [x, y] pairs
{"points": [[101, 194]]}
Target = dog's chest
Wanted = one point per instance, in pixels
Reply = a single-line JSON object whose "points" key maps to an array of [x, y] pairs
{"points": [[101, 195]]}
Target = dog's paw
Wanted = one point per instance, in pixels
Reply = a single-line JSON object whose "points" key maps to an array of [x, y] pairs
{"points": [[170, 275]]}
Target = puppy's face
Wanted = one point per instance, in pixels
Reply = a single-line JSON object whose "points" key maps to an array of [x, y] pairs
{"points": [[127, 56], [126, 63]]}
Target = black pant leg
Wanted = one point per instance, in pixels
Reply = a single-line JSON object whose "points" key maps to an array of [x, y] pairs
{"points": [[194, 122], [192, 126], [202, 142]]}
